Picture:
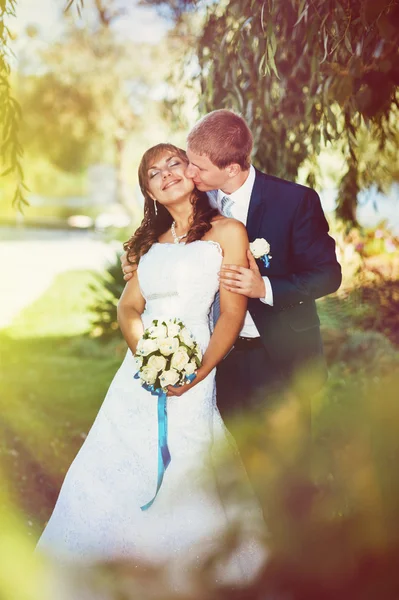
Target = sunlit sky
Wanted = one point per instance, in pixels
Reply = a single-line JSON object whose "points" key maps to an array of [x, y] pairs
{"points": [[141, 24]]}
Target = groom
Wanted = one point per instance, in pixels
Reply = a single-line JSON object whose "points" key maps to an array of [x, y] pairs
{"points": [[281, 333]]}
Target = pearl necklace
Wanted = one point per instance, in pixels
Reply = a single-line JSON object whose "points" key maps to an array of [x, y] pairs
{"points": [[176, 238]]}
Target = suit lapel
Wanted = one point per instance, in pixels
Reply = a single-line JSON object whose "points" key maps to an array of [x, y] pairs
{"points": [[257, 208]]}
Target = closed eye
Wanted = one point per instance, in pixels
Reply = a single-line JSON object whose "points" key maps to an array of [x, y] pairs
{"points": [[173, 163]]}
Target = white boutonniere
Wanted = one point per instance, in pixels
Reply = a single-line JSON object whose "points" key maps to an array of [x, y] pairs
{"points": [[260, 249]]}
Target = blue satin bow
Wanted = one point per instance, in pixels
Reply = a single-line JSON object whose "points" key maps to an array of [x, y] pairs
{"points": [[266, 260], [164, 457]]}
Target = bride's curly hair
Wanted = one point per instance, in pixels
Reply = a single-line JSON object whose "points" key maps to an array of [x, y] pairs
{"points": [[154, 225]]}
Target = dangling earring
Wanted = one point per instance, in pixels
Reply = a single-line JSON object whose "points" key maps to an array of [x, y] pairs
{"points": [[155, 207]]}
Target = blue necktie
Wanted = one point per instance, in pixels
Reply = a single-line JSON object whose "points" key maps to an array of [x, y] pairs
{"points": [[226, 205]]}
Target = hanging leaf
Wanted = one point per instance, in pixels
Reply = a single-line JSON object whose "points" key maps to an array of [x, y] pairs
{"points": [[348, 44], [262, 16], [270, 60], [325, 42], [7, 171]]}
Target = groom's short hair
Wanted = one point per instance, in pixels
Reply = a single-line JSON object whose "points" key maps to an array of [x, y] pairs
{"points": [[224, 137]]}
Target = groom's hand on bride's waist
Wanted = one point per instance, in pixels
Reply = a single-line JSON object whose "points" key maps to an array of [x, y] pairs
{"points": [[128, 268], [242, 280]]}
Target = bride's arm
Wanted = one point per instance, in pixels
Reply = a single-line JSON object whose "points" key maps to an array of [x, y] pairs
{"points": [[130, 308], [232, 237]]}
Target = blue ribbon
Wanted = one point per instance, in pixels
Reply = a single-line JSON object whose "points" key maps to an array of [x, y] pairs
{"points": [[266, 260], [163, 450]]}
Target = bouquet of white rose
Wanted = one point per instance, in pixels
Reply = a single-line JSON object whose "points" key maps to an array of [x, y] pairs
{"points": [[167, 354]]}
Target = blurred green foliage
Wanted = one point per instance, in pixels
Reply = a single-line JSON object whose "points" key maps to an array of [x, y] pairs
{"points": [[107, 290], [335, 534], [89, 98], [369, 295], [53, 380], [10, 113], [76, 116]]}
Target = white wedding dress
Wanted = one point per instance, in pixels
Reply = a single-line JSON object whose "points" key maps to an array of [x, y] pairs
{"points": [[98, 515]]}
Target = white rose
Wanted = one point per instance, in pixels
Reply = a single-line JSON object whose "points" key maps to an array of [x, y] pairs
{"points": [[157, 331], [186, 337], [169, 378], [173, 329], [157, 362], [190, 368], [138, 361], [145, 347], [259, 247], [198, 353], [148, 375], [180, 359], [168, 346]]}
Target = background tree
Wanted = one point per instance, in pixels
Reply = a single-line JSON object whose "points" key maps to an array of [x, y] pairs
{"points": [[10, 114], [93, 95], [305, 74]]}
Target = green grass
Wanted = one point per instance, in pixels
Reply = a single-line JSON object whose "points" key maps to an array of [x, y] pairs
{"points": [[53, 380], [60, 312]]}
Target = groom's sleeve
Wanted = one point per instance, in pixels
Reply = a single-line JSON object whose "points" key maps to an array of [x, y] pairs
{"points": [[268, 299], [315, 271]]}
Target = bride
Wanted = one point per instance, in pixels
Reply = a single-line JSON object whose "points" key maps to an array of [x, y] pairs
{"points": [[180, 247]]}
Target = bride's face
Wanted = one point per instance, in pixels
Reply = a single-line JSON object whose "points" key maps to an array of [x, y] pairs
{"points": [[167, 182]]}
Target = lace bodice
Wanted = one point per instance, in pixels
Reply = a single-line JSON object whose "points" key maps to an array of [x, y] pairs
{"points": [[181, 280]]}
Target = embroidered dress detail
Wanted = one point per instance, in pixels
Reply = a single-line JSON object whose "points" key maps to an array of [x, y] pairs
{"points": [[160, 296]]}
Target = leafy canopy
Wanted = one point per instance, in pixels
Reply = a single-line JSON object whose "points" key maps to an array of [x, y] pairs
{"points": [[305, 73]]}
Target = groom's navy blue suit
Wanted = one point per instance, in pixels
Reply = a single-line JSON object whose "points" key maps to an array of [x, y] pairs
{"points": [[303, 267]]}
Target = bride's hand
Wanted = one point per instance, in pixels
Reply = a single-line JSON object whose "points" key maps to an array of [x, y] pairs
{"points": [[179, 390], [128, 268]]}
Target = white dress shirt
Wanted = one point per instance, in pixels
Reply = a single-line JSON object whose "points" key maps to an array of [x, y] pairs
{"points": [[239, 211]]}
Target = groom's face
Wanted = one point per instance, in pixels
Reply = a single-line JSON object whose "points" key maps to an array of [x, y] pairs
{"points": [[205, 175]]}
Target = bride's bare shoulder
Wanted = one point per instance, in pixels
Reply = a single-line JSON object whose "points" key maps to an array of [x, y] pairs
{"points": [[217, 219], [227, 226]]}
